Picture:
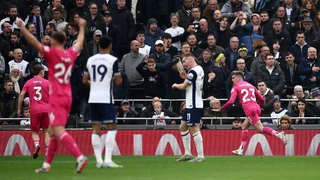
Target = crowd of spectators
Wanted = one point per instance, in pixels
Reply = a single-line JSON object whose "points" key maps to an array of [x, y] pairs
{"points": [[275, 43]]}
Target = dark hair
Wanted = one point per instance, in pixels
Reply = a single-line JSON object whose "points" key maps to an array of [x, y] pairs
{"points": [[166, 36], [261, 81], [105, 42], [288, 54], [16, 33], [7, 81], [28, 24], [74, 26], [59, 37], [57, 9], [37, 69], [2, 25], [223, 17], [264, 12], [139, 32], [300, 32], [12, 6]]}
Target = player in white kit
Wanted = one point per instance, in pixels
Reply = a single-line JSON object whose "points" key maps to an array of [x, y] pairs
{"points": [[101, 70], [194, 107]]}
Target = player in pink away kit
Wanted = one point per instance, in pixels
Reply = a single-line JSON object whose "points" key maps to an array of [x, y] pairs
{"points": [[60, 63], [38, 90], [247, 95]]}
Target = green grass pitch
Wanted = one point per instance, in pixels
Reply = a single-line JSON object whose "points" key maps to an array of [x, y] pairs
{"points": [[166, 168]]}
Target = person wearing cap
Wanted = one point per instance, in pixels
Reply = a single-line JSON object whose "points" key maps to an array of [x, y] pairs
{"points": [[311, 35], [236, 124], [123, 18], [125, 111], [152, 33], [108, 28], [160, 57], [94, 19], [16, 77], [243, 53], [93, 45]]}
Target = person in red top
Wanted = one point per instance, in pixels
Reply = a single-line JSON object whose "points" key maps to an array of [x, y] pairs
{"points": [[38, 90], [60, 62], [247, 95]]}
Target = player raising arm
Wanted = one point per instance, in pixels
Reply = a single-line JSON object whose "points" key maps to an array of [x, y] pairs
{"points": [[247, 95], [38, 90], [60, 63], [194, 107], [101, 69]]}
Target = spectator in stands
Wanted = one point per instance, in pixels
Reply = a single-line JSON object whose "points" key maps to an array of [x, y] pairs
{"points": [[38, 21], [211, 8], [8, 103], [256, 22], [18, 60], [193, 43], [191, 30], [80, 9], [285, 123], [25, 114], [311, 35], [152, 33], [310, 7], [290, 70], [159, 116], [123, 18], [143, 48], [73, 30], [160, 57], [213, 83], [214, 111], [298, 93], [93, 45], [232, 8], [185, 14], [303, 111], [292, 11], [223, 33], [309, 69], [277, 112], [243, 53], [203, 33], [50, 28], [16, 77], [248, 76], [231, 53], [299, 24], [128, 65], [278, 56], [240, 26], [175, 31], [278, 33], [315, 105], [281, 15], [300, 48], [56, 4], [94, 19], [236, 124], [269, 99], [125, 111], [261, 61], [6, 31], [15, 43], [168, 47], [317, 21], [272, 75], [58, 20], [154, 79], [266, 24], [196, 15], [214, 48], [108, 28], [257, 44], [12, 16]]}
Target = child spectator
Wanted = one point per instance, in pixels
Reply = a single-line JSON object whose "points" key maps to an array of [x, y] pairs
{"points": [[159, 116], [285, 123]]}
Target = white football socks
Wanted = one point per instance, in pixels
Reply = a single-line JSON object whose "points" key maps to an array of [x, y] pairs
{"points": [[186, 142], [110, 141], [197, 137], [95, 140]]}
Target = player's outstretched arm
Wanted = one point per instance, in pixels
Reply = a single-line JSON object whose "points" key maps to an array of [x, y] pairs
{"points": [[21, 96], [31, 39], [80, 39], [182, 86]]}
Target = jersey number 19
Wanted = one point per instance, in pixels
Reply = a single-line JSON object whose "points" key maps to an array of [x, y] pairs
{"points": [[100, 71]]}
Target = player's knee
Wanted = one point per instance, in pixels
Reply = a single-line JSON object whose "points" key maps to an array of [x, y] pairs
{"points": [[183, 127], [112, 126]]}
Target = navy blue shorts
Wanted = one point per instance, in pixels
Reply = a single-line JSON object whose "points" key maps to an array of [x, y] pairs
{"points": [[102, 113], [192, 116]]}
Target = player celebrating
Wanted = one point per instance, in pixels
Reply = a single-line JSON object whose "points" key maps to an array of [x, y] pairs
{"points": [[60, 63], [194, 106], [247, 95], [100, 69], [38, 90]]}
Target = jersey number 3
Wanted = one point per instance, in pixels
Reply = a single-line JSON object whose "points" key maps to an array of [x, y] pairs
{"points": [[38, 95], [248, 95]]}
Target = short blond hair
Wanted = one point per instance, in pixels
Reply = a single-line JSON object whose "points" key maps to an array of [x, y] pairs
{"points": [[285, 117], [157, 103]]}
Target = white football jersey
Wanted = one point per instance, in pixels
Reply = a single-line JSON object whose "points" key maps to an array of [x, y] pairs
{"points": [[194, 90], [145, 50], [101, 69]]}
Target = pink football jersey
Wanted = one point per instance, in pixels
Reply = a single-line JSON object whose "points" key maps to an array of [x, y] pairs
{"points": [[246, 93], [38, 90], [60, 64]]}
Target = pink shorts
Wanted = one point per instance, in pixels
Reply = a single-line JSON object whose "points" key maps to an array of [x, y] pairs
{"points": [[59, 112], [253, 112], [39, 119]]}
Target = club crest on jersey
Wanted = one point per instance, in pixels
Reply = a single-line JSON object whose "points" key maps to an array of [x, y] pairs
{"points": [[190, 76], [51, 116]]}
